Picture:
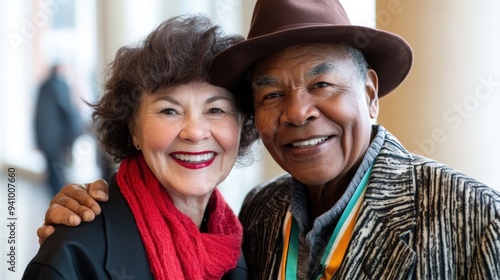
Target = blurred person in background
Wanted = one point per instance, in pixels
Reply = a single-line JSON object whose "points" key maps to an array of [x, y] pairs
{"points": [[57, 125]]}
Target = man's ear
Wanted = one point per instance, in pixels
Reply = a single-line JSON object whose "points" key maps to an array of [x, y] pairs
{"points": [[371, 87]]}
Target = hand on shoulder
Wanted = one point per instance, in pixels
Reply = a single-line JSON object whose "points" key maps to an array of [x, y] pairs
{"points": [[73, 204]]}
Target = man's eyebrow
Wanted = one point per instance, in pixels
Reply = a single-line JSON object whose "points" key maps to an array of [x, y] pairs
{"points": [[319, 69], [263, 81], [322, 68]]}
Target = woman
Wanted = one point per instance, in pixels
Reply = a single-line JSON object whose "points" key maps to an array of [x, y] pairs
{"points": [[176, 137]]}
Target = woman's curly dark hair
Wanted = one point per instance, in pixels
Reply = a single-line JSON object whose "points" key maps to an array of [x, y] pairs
{"points": [[178, 51]]}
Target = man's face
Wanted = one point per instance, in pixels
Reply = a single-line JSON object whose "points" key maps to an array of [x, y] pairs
{"points": [[313, 111]]}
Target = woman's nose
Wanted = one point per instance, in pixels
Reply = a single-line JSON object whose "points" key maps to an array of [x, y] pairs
{"points": [[195, 129]]}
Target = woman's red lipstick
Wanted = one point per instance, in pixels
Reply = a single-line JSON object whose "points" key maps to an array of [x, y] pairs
{"points": [[194, 160]]}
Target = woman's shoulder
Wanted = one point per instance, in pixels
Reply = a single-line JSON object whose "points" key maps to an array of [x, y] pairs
{"points": [[240, 272], [87, 249], [69, 250]]}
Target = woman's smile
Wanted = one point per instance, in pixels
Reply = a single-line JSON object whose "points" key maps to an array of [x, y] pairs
{"points": [[194, 160]]}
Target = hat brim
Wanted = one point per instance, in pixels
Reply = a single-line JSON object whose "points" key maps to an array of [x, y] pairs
{"points": [[387, 53]]}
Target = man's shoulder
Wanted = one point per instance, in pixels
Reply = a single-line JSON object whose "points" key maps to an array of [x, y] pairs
{"points": [[273, 188], [266, 201], [451, 179], [435, 178]]}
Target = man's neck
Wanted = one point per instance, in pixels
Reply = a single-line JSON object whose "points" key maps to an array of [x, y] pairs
{"points": [[324, 197]]}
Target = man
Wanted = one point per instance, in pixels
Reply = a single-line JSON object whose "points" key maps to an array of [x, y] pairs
{"points": [[356, 204], [57, 125]]}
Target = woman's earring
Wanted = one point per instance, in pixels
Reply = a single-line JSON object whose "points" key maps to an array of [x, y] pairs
{"points": [[138, 147]]}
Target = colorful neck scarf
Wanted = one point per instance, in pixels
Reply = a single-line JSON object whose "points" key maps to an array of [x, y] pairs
{"points": [[175, 247], [337, 245]]}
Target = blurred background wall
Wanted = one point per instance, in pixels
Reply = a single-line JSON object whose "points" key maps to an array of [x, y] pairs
{"points": [[446, 109]]}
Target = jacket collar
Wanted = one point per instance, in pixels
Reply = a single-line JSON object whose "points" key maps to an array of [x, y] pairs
{"points": [[379, 244]]}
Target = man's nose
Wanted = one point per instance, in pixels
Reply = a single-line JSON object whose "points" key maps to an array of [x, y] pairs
{"points": [[298, 108]]}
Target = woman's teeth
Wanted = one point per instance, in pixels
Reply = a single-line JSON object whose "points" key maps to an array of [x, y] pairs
{"points": [[194, 158]]}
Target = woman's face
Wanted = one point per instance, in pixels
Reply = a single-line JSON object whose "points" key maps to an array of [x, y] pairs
{"points": [[189, 136]]}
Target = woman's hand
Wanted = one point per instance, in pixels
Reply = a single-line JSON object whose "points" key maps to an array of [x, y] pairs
{"points": [[74, 203]]}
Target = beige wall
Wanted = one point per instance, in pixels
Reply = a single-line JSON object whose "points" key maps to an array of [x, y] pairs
{"points": [[447, 109]]}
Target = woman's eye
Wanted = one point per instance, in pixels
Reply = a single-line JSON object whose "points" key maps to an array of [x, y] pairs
{"points": [[215, 111], [168, 111]]}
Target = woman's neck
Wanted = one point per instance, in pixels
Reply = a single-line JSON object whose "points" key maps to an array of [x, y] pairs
{"points": [[193, 207]]}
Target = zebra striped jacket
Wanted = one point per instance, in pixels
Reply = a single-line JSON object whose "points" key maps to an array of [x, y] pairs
{"points": [[419, 220]]}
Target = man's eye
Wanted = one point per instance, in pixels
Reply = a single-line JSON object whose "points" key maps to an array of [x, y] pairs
{"points": [[320, 85], [168, 111], [272, 95]]}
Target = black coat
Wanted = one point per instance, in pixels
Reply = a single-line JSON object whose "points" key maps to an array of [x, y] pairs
{"points": [[57, 122], [110, 247]]}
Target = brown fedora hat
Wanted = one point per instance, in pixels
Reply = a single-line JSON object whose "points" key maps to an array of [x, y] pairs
{"points": [[279, 24]]}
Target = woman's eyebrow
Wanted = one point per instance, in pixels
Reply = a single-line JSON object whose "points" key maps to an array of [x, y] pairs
{"points": [[165, 98], [216, 98]]}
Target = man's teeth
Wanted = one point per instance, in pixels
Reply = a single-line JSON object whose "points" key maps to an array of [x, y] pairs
{"points": [[309, 143], [194, 158]]}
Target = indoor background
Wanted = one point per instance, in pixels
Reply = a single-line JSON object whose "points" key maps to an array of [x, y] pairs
{"points": [[447, 109]]}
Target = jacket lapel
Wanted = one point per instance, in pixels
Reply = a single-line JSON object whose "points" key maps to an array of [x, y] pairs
{"points": [[125, 254], [262, 241], [379, 245]]}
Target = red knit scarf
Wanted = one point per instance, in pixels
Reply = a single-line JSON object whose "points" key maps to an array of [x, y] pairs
{"points": [[174, 245]]}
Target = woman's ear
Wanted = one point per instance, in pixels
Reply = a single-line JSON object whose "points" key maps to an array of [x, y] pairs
{"points": [[135, 142], [133, 135], [371, 87]]}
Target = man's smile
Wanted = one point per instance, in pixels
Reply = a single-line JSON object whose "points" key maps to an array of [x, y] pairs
{"points": [[309, 143]]}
